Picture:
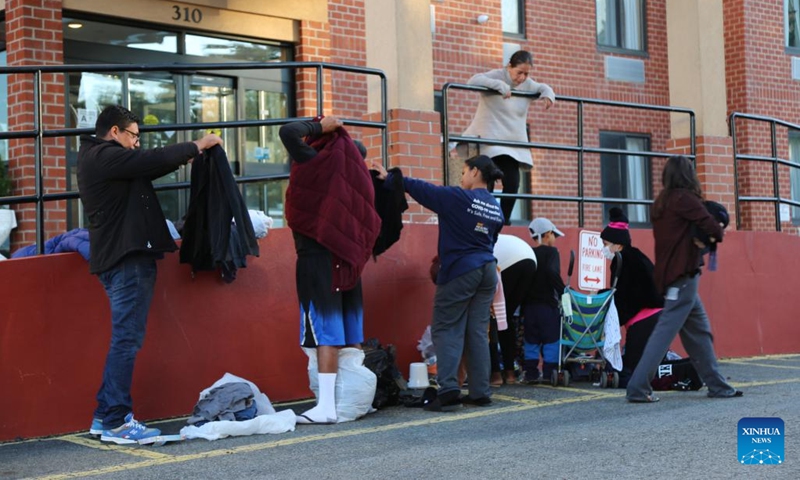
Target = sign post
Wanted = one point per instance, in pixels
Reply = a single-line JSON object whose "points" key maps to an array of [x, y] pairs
{"points": [[591, 262]]}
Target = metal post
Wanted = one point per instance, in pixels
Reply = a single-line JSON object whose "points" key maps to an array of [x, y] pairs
{"points": [[445, 135], [385, 121], [776, 188], [737, 204], [581, 203], [37, 145], [320, 93]]}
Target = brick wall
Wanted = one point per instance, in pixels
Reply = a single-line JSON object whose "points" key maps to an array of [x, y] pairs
{"points": [[759, 81], [34, 37], [563, 42]]}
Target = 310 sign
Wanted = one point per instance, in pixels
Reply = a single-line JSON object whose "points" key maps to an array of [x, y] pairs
{"points": [[191, 15]]}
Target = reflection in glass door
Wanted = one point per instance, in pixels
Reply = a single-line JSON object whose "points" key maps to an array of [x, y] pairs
{"points": [[153, 99], [264, 153], [213, 99]]}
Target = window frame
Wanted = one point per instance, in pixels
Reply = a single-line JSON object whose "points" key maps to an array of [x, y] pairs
{"points": [[794, 216], [617, 49], [606, 158], [520, 20], [788, 48]]}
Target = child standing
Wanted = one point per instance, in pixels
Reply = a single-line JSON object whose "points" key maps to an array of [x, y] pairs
{"points": [[541, 314]]}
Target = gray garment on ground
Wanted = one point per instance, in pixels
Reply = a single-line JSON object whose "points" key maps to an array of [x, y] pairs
{"points": [[461, 325], [222, 402], [686, 316]]}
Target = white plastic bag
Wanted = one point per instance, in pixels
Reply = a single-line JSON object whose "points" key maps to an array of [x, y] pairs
{"points": [[261, 223], [425, 344], [280, 422], [355, 383]]}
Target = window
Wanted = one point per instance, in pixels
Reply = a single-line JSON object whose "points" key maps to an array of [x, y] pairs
{"points": [[794, 157], [791, 9], [620, 24], [626, 176], [513, 17]]}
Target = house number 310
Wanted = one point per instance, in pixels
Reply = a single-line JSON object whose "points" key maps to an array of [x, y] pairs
{"points": [[192, 15]]}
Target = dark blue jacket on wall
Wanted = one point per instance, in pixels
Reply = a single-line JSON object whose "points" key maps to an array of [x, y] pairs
{"points": [[209, 242]]}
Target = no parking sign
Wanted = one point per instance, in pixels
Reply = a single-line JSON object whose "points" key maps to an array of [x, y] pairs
{"points": [[591, 262]]}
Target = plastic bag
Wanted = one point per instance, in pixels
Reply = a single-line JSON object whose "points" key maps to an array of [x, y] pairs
{"points": [[280, 422], [262, 401], [425, 344], [261, 223], [355, 383]]}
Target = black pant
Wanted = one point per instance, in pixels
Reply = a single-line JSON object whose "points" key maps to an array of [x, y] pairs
{"points": [[517, 280], [636, 339], [510, 168]]}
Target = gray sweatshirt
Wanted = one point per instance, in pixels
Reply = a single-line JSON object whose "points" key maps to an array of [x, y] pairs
{"points": [[504, 119]]}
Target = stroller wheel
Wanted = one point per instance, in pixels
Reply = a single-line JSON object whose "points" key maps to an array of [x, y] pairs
{"points": [[603, 380], [566, 378], [554, 378], [615, 380]]}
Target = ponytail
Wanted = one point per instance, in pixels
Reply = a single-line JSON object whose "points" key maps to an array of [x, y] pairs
{"points": [[489, 171]]}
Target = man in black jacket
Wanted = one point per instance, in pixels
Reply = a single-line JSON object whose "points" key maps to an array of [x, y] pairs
{"points": [[127, 234]]}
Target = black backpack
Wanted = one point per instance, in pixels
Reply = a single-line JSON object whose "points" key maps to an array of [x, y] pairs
{"points": [[381, 361], [677, 375]]}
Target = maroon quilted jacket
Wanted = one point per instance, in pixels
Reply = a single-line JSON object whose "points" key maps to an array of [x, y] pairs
{"points": [[332, 200]]}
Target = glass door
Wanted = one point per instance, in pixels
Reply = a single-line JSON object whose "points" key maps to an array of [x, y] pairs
{"points": [[153, 98], [264, 153]]}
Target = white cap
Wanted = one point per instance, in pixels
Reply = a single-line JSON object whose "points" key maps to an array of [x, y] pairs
{"points": [[540, 226]]}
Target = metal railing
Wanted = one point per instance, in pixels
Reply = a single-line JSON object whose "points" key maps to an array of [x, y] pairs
{"points": [[579, 148], [38, 133], [774, 159]]}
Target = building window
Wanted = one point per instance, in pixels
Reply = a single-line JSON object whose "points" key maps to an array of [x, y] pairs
{"points": [[513, 17], [621, 24], [626, 176], [791, 9], [794, 175]]}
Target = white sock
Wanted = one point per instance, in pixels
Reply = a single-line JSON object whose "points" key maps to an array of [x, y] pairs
{"points": [[327, 393], [325, 411]]}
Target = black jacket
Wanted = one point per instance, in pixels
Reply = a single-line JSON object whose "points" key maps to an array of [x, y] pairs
{"points": [[547, 285], [390, 203], [208, 240], [636, 288], [115, 186]]}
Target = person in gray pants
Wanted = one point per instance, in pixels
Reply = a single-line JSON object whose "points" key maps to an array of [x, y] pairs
{"points": [[677, 274], [470, 220]]}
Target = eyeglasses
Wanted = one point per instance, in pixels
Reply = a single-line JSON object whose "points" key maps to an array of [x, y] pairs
{"points": [[133, 134]]}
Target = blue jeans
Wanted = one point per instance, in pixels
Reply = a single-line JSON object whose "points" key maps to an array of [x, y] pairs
{"points": [[129, 286]]}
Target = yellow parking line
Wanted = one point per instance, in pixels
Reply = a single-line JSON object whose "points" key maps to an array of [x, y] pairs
{"points": [[482, 412], [130, 450], [790, 367]]}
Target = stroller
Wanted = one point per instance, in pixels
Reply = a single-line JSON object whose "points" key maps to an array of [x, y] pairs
{"points": [[580, 343]]}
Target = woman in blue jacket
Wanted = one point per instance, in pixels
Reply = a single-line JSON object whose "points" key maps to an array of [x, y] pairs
{"points": [[469, 222]]}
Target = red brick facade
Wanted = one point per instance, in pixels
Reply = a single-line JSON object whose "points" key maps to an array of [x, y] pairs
{"points": [[566, 56], [759, 81], [33, 37]]}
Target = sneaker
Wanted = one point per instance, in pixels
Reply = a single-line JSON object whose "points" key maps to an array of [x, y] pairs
{"points": [[97, 427], [130, 432]]}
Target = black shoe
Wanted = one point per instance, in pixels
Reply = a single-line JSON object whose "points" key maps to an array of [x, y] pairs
{"points": [[447, 402], [479, 402]]}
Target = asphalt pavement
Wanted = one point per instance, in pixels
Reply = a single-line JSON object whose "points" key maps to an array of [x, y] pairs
{"points": [[579, 432]]}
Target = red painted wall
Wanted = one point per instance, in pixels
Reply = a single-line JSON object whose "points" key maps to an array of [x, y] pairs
{"points": [[54, 323]]}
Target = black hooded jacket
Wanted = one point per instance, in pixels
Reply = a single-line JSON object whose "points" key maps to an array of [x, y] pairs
{"points": [[208, 240]]}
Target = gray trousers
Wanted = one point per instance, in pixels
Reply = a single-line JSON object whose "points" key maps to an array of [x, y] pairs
{"points": [[461, 325], [685, 315]]}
